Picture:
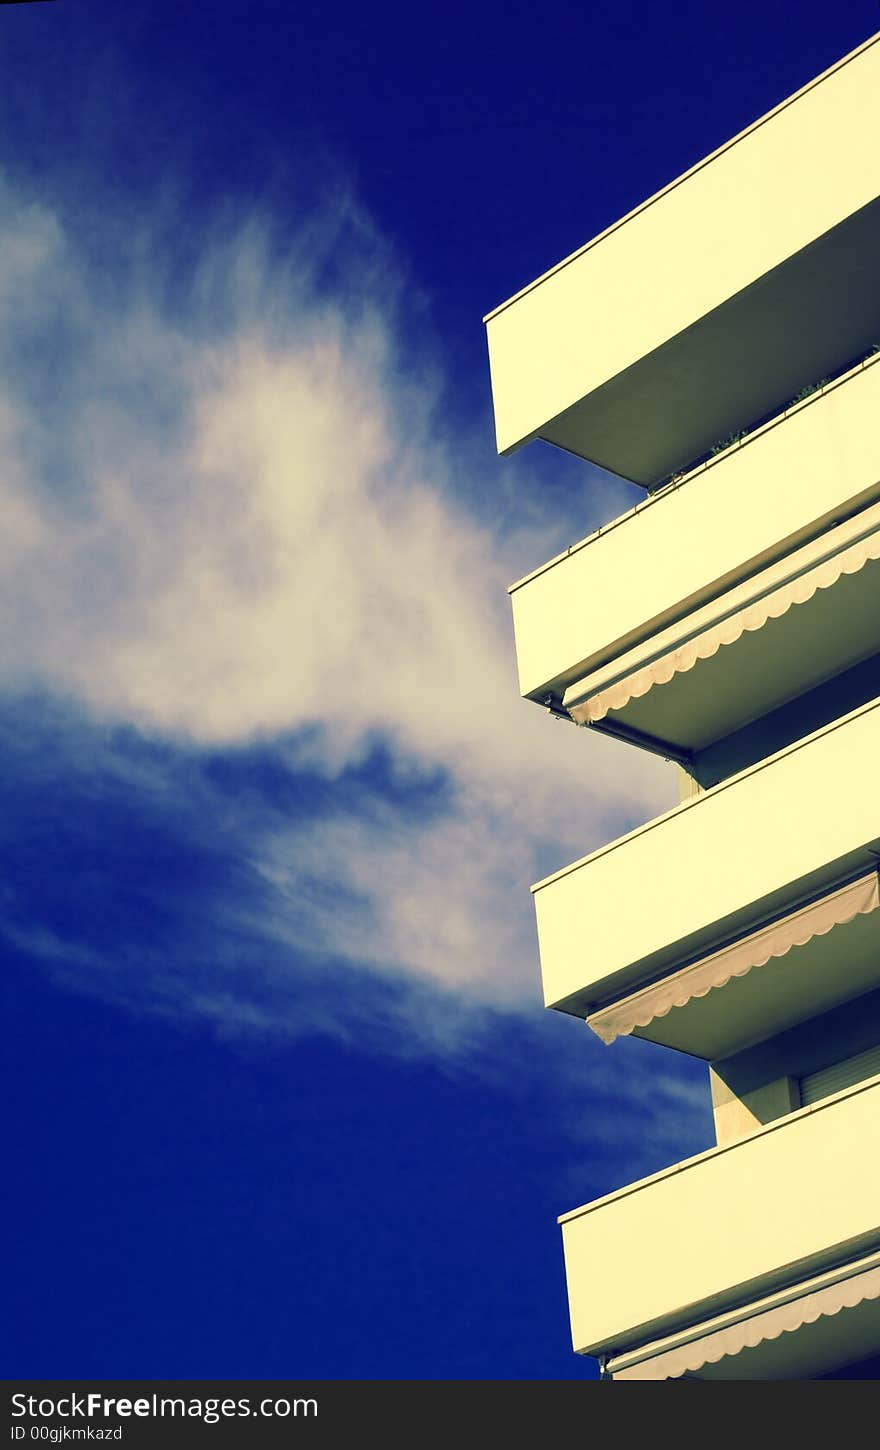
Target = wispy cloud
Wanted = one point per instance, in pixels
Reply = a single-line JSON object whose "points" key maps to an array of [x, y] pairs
{"points": [[231, 523]]}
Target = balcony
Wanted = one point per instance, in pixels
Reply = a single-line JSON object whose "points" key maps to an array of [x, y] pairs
{"points": [[699, 1269], [812, 617], [765, 855], [715, 301], [651, 572]]}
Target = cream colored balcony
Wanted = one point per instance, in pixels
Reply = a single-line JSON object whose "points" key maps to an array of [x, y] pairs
{"points": [[714, 302], [756, 1260], [791, 626], [744, 910], [650, 578]]}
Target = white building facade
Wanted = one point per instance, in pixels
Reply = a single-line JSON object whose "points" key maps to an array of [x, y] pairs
{"points": [[720, 346]]}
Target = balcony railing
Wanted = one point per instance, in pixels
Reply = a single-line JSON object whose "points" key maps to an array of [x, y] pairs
{"points": [[677, 552], [719, 867], [719, 1233]]}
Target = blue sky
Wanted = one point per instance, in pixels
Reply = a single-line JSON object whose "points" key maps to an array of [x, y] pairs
{"points": [[283, 1101]]}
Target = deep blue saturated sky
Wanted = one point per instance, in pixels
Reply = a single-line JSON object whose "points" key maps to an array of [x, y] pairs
{"points": [[281, 1097]]}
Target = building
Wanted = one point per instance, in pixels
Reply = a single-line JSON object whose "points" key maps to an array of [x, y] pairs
{"points": [[720, 346]]}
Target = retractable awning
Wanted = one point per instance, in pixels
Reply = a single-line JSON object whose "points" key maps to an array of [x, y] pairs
{"points": [[711, 1350], [838, 628], [690, 984]]}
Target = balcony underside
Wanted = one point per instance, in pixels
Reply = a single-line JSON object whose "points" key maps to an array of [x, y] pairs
{"points": [[804, 321], [714, 303]]}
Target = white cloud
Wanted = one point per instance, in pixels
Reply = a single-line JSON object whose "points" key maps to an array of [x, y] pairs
{"points": [[230, 534]]}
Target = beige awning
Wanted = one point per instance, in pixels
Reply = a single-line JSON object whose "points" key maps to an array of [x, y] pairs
{"points": [[639, 1008], [802, 1306], [740, 611]]}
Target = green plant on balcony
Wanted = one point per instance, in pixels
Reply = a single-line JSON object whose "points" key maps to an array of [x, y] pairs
{"points": [[724, 443], [808, 391]]}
